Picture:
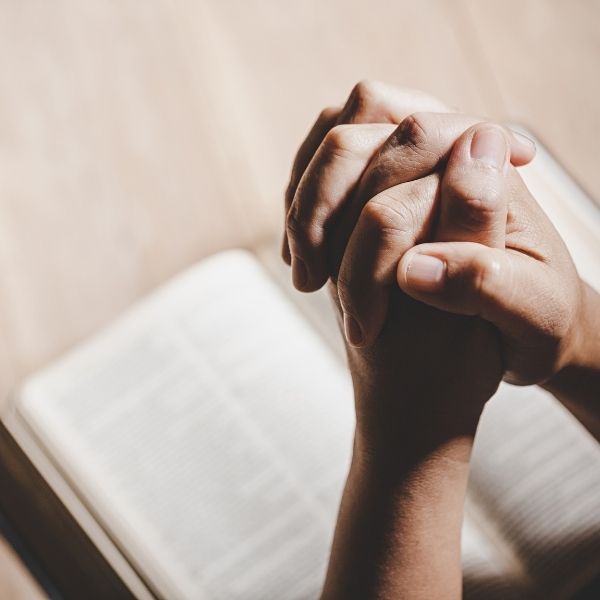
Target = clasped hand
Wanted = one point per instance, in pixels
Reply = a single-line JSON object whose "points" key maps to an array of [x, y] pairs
{"points": [[447, 274]]}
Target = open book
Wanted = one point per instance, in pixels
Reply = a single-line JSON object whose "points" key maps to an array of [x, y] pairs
{"points": [[198, 447]]}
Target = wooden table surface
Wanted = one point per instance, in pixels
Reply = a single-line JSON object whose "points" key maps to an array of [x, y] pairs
{"points": [[137, 137]]}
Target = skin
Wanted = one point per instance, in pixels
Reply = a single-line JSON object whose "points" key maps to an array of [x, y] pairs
{"points": [[404, 497], [546, 315], [577, 383], [367, 201]]}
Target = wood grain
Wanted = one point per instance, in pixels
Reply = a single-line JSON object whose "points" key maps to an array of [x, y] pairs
{"points": [[137, 137]]}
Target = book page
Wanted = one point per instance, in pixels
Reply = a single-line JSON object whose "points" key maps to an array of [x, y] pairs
{"points": [[212, 449], [213, 452], [195, 435], [536, 472], [487, 575]]}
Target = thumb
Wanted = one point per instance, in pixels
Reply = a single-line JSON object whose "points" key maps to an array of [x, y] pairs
{"points": [[473, 279], [474, 190]]}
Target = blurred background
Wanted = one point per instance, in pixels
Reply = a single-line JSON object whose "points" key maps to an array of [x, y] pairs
{"points": [[139, 136]]}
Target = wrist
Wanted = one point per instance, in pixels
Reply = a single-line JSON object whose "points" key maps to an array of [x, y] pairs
{"points": [[398, 531], [577, 383], [583, 351], [396, 432], [390, 465]]}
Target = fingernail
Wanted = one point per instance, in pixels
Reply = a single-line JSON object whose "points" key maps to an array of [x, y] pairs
{"points": [[299, 272], [489, 147], [426, 273], [352, 330], [524, 140]]}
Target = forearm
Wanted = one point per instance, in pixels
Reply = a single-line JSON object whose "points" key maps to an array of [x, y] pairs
{"points": [[399, 525], [577, 385]]}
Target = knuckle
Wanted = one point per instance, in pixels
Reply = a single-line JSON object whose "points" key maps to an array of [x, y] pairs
{"points": [[418, 134], [304, 231], [293, 224], [328, 113], [388, 216], [364, 92], [340, 141], [412, 131], [474, 207]]}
